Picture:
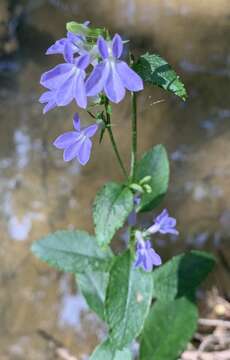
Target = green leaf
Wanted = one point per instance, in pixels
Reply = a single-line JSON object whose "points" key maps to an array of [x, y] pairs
{"points": [[128, 299], [105, 351], [72, 251], [93, 286], [181, 275], [113, 204], [154, 163], [156, 71], [168, 329]]}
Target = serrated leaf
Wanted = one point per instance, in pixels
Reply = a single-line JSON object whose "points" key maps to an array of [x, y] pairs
{"points": [[154, 163], [93, 286], [72, 251], [106, 352], [168, 329], [128, 299], [181, 275], [112, 206], [156, 71]]}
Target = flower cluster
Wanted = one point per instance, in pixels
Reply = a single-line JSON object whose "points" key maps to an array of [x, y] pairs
{"points": [[146, 257], [71, 80], [90, 68]]}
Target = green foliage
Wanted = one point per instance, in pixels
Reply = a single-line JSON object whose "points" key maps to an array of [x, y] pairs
{"points": [[181, 275], [93, 286], [78, 28], [168, 328], [105, 351], [154, 163], [128, 299], [156, 71], [113, 204], [72, 251]]}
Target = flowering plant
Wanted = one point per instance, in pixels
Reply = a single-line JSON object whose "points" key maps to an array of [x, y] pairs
{"points": [[124, 291]]}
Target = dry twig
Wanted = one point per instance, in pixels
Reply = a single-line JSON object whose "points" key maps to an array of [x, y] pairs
{"points": [[60, 350], [214, 322]]}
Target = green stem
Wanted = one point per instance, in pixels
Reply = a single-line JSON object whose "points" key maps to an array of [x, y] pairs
{"points": [[134, 135], [108, 127]]}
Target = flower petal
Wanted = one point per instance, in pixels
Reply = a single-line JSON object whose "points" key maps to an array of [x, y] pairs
{"points": [[102, 47], [55, 77], [79, 90], [156, 259], [96, 80], [139, 260], [72, 151], [90, 130], [57, 47], [48, 97], [66, 139], [114, 88], [45, 97], [65, 93], [76, 122], [51, 105], [82, 62], [147, 262], [73, 37], [130, 79], [117, 46], [84, 151], [162, 215], [68, 52], [86, 23]]}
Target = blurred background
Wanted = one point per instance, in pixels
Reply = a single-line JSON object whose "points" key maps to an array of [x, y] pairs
{"points": [[39, 193]]}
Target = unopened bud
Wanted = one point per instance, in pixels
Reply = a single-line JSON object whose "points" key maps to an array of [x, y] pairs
{"points": [[145, 180]]}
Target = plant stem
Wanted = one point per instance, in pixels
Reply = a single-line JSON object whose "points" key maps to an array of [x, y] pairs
{"points": [[108, 127], [134, 135]]}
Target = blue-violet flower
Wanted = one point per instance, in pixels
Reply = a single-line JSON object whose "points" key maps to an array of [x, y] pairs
{"points": [[112, 74], [68, 81], [146, 256], [71, 44], [77, 144], [163, 224]]}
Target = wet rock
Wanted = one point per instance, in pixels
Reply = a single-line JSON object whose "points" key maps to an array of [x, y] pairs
{"points": [[8, 40]]}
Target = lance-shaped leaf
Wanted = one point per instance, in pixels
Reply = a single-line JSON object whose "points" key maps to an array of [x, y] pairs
{"points": [[93, 286], [181, 275], [156, 71], [72, 251], [168, 328], [128, 299], [113, 204], [105, 351], [154, 163]]}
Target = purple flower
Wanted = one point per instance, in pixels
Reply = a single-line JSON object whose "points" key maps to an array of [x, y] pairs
{"points": [[146, 257], [48, 98], [66, 46], [66, 81], [163, 224], [71, 44], [112, 74], [77, 144]]}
